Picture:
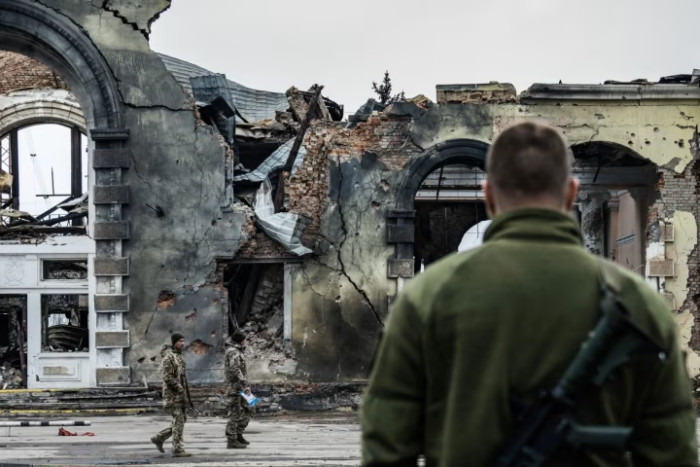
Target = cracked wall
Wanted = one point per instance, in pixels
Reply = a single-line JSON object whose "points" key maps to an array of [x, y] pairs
{"points": [[341, 297], [177, 164], [348, 183], [684, 241]]}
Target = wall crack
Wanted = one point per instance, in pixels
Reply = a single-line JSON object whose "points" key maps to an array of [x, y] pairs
{"points": [[340, 248], [115, 12]]}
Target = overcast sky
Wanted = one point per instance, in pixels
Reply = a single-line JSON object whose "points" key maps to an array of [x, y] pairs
{"points": [[344, 46]]}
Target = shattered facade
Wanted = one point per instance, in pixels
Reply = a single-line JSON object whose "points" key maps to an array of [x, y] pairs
{"points": [[635, 147], [144, 234], [211, 206]]}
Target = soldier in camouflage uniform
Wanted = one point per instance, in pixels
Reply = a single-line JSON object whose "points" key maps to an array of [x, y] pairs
{"points": [[236, 378], [175, 395]]}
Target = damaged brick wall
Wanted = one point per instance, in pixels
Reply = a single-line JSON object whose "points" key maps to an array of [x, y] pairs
{"points": [[20, 72], [680, 192], [155, 229], [331, 142], [386, 135], [307, 190], [339, 297]]}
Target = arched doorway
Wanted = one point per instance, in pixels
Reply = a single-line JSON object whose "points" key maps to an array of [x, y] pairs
{"points": [[617, 190], [401, 222], [34, 30], [448, 204]]}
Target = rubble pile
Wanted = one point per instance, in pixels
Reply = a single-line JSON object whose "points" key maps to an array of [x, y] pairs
{"points": [[11, 361], [10, 378], [279, 398], [266, 317]]}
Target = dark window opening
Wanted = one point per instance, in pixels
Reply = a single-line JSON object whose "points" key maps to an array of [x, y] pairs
{"points": [[449, 209], [64, 323], [64, 269], [256, 293], [13, 341], [441, 226]]}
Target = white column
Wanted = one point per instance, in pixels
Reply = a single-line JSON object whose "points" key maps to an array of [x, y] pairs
{"points": [[287, 329]]}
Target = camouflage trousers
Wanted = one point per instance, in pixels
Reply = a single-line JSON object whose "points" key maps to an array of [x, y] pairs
{"points": [[239, 416], [176, 428]]}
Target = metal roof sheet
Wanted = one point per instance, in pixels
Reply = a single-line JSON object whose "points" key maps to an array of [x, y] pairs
{"points": [[253, 104]]}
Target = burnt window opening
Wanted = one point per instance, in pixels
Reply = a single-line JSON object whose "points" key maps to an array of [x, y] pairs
{"points": [[54, 269], [64, 323], [43, 180], [256, 293], [449, 210], [13, 341]]}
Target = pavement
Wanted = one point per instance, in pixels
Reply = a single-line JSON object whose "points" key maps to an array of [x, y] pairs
{"points": [[328, 439], [300, 439]]}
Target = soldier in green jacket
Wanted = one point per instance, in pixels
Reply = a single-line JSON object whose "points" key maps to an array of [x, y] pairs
{"points": [[175, 395], [501, 322]]}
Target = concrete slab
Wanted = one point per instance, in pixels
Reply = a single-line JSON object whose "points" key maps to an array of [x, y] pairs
{"points": [[290, 440]]}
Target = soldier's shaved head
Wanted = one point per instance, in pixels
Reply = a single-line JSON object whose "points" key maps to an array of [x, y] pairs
{"points": [[529, 164]]}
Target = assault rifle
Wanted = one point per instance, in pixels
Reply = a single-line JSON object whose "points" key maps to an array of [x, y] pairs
{"points": [[548, 425], [187, 390]]}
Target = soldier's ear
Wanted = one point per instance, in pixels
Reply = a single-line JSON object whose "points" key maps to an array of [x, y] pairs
{"points": [[572, 187], [489, 199]]}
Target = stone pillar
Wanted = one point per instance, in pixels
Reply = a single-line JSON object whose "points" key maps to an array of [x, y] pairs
{"points": [[593, 220], [614, 229]]}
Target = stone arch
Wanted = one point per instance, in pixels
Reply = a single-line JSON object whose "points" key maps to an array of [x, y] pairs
{"points": [[41, 111], [37, 31], [32, 29], [401, 220], [618, 188]]}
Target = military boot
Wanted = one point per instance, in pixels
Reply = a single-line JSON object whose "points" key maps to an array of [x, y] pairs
{"points": [[158, 443], [182, 453], [242, 440], [235, 444]]}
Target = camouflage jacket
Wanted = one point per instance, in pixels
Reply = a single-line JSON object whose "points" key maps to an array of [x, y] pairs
{"points": [[174, 377], [236, 371]]}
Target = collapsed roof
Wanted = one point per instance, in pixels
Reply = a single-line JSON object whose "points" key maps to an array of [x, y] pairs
{"points": [[252, 104]]}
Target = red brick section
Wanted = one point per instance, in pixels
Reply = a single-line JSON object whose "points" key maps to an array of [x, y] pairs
{"points": [[307, 191], [19, 72], [387, 136], [262, 246], [258, 245], [682, 192]]}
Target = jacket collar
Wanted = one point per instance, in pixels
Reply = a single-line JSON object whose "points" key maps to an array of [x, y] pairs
{"points": [[536, 224]]}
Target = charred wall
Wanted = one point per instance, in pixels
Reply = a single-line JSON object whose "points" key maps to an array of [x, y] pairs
{"points": [[162, 215], [341, 297]]}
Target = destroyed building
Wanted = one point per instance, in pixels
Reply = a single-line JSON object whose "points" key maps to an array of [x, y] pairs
{"points": [[197, 205]]}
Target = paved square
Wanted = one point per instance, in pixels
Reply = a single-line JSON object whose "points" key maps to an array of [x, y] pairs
{"points": [[291, 440]]}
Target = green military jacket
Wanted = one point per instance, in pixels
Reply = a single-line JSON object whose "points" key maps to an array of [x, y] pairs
{"points": [[504, 320]]}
